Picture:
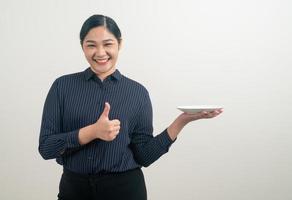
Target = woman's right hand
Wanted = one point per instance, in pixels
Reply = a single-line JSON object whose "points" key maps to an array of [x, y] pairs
{"points": [[105, 128]]}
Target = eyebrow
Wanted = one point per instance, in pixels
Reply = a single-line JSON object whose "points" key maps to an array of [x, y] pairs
{"points": [[92, 41]]}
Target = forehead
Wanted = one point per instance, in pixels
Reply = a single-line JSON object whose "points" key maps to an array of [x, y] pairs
{"points": [[99, 34]]}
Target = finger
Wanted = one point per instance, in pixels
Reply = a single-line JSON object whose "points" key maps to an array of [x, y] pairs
{"points": [[113, 135], [218, 111], [106, 110], [113, 129], [208, 114], [213, 114], [116, 129], [204, 113], [116, 122]]}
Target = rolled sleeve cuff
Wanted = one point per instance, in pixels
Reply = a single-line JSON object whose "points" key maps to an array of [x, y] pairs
{"points": [[73, 140], [164, 140]]}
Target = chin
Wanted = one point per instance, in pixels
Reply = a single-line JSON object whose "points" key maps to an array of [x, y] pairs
{"points": [[102, 69]]}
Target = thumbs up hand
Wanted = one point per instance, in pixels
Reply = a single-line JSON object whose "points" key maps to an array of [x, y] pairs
{"points": [[107, 129]]}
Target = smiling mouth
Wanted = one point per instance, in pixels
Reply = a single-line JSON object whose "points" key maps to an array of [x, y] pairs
{"points": [[101, 61]]}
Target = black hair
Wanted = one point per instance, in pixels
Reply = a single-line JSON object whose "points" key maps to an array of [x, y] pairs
{"points": [[100, 20]]}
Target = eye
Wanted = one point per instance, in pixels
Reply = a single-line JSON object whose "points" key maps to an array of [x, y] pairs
{"points": [[108, 44], [90, 45]]}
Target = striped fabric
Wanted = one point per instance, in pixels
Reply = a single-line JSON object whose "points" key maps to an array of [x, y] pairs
{"points": [[77, 100]]}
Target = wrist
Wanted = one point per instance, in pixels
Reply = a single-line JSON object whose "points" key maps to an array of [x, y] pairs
{"points": [[181, 121], [175, 128], [86, 134], [93, 130]]}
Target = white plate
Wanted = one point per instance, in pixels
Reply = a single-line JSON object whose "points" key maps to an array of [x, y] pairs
{"points": [[199, 108]]}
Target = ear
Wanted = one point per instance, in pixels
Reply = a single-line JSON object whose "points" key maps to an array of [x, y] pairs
{"points": [[120, 43], [81, 45]]}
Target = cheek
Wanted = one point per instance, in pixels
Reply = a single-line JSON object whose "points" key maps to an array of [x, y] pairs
{"points": [[114, 53], [88, 54]]}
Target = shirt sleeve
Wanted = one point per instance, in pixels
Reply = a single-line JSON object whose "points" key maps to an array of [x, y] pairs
{"points": [[53, 143], [147, 148]]}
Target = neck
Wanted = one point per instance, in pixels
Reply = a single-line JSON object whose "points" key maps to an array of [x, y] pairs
{"points": [[104, 75]]}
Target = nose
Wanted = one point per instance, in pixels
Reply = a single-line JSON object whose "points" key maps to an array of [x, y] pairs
{"points": [[100, 51]]}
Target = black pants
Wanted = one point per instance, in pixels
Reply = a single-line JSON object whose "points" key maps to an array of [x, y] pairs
{"points": [[128, 185]]}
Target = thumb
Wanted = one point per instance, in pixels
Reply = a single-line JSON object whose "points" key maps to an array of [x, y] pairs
{"points": [[106, 110]]}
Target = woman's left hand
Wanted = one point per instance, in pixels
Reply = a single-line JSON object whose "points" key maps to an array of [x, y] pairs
{"points": [[187, 117], [184, 118]]}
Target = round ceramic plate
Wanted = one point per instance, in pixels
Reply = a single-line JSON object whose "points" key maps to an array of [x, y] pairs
{"points": [[199, 108]]}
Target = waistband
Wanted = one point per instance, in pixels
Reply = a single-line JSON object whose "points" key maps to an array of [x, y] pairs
{"points": [[72, 174]]}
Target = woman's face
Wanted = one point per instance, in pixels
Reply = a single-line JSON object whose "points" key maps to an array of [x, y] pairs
{"points": [[101, 50]]}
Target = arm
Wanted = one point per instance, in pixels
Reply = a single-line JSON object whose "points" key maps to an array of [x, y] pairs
{"points": [[146, 148], [52, 141]]}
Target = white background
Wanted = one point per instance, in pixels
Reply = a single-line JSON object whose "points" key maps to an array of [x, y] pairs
{"points": [[232, 53]]}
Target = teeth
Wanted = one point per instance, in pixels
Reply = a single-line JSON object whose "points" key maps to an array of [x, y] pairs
{"points": [[101, 60]]}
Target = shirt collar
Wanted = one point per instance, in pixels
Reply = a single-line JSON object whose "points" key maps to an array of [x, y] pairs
{"points": [[90, 74]]}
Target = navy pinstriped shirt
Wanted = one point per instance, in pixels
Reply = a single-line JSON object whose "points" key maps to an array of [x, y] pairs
{"points": [[77, 100]]}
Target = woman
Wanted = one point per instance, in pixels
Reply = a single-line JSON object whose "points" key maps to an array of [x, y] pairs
{"points": [[98, 123]]}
